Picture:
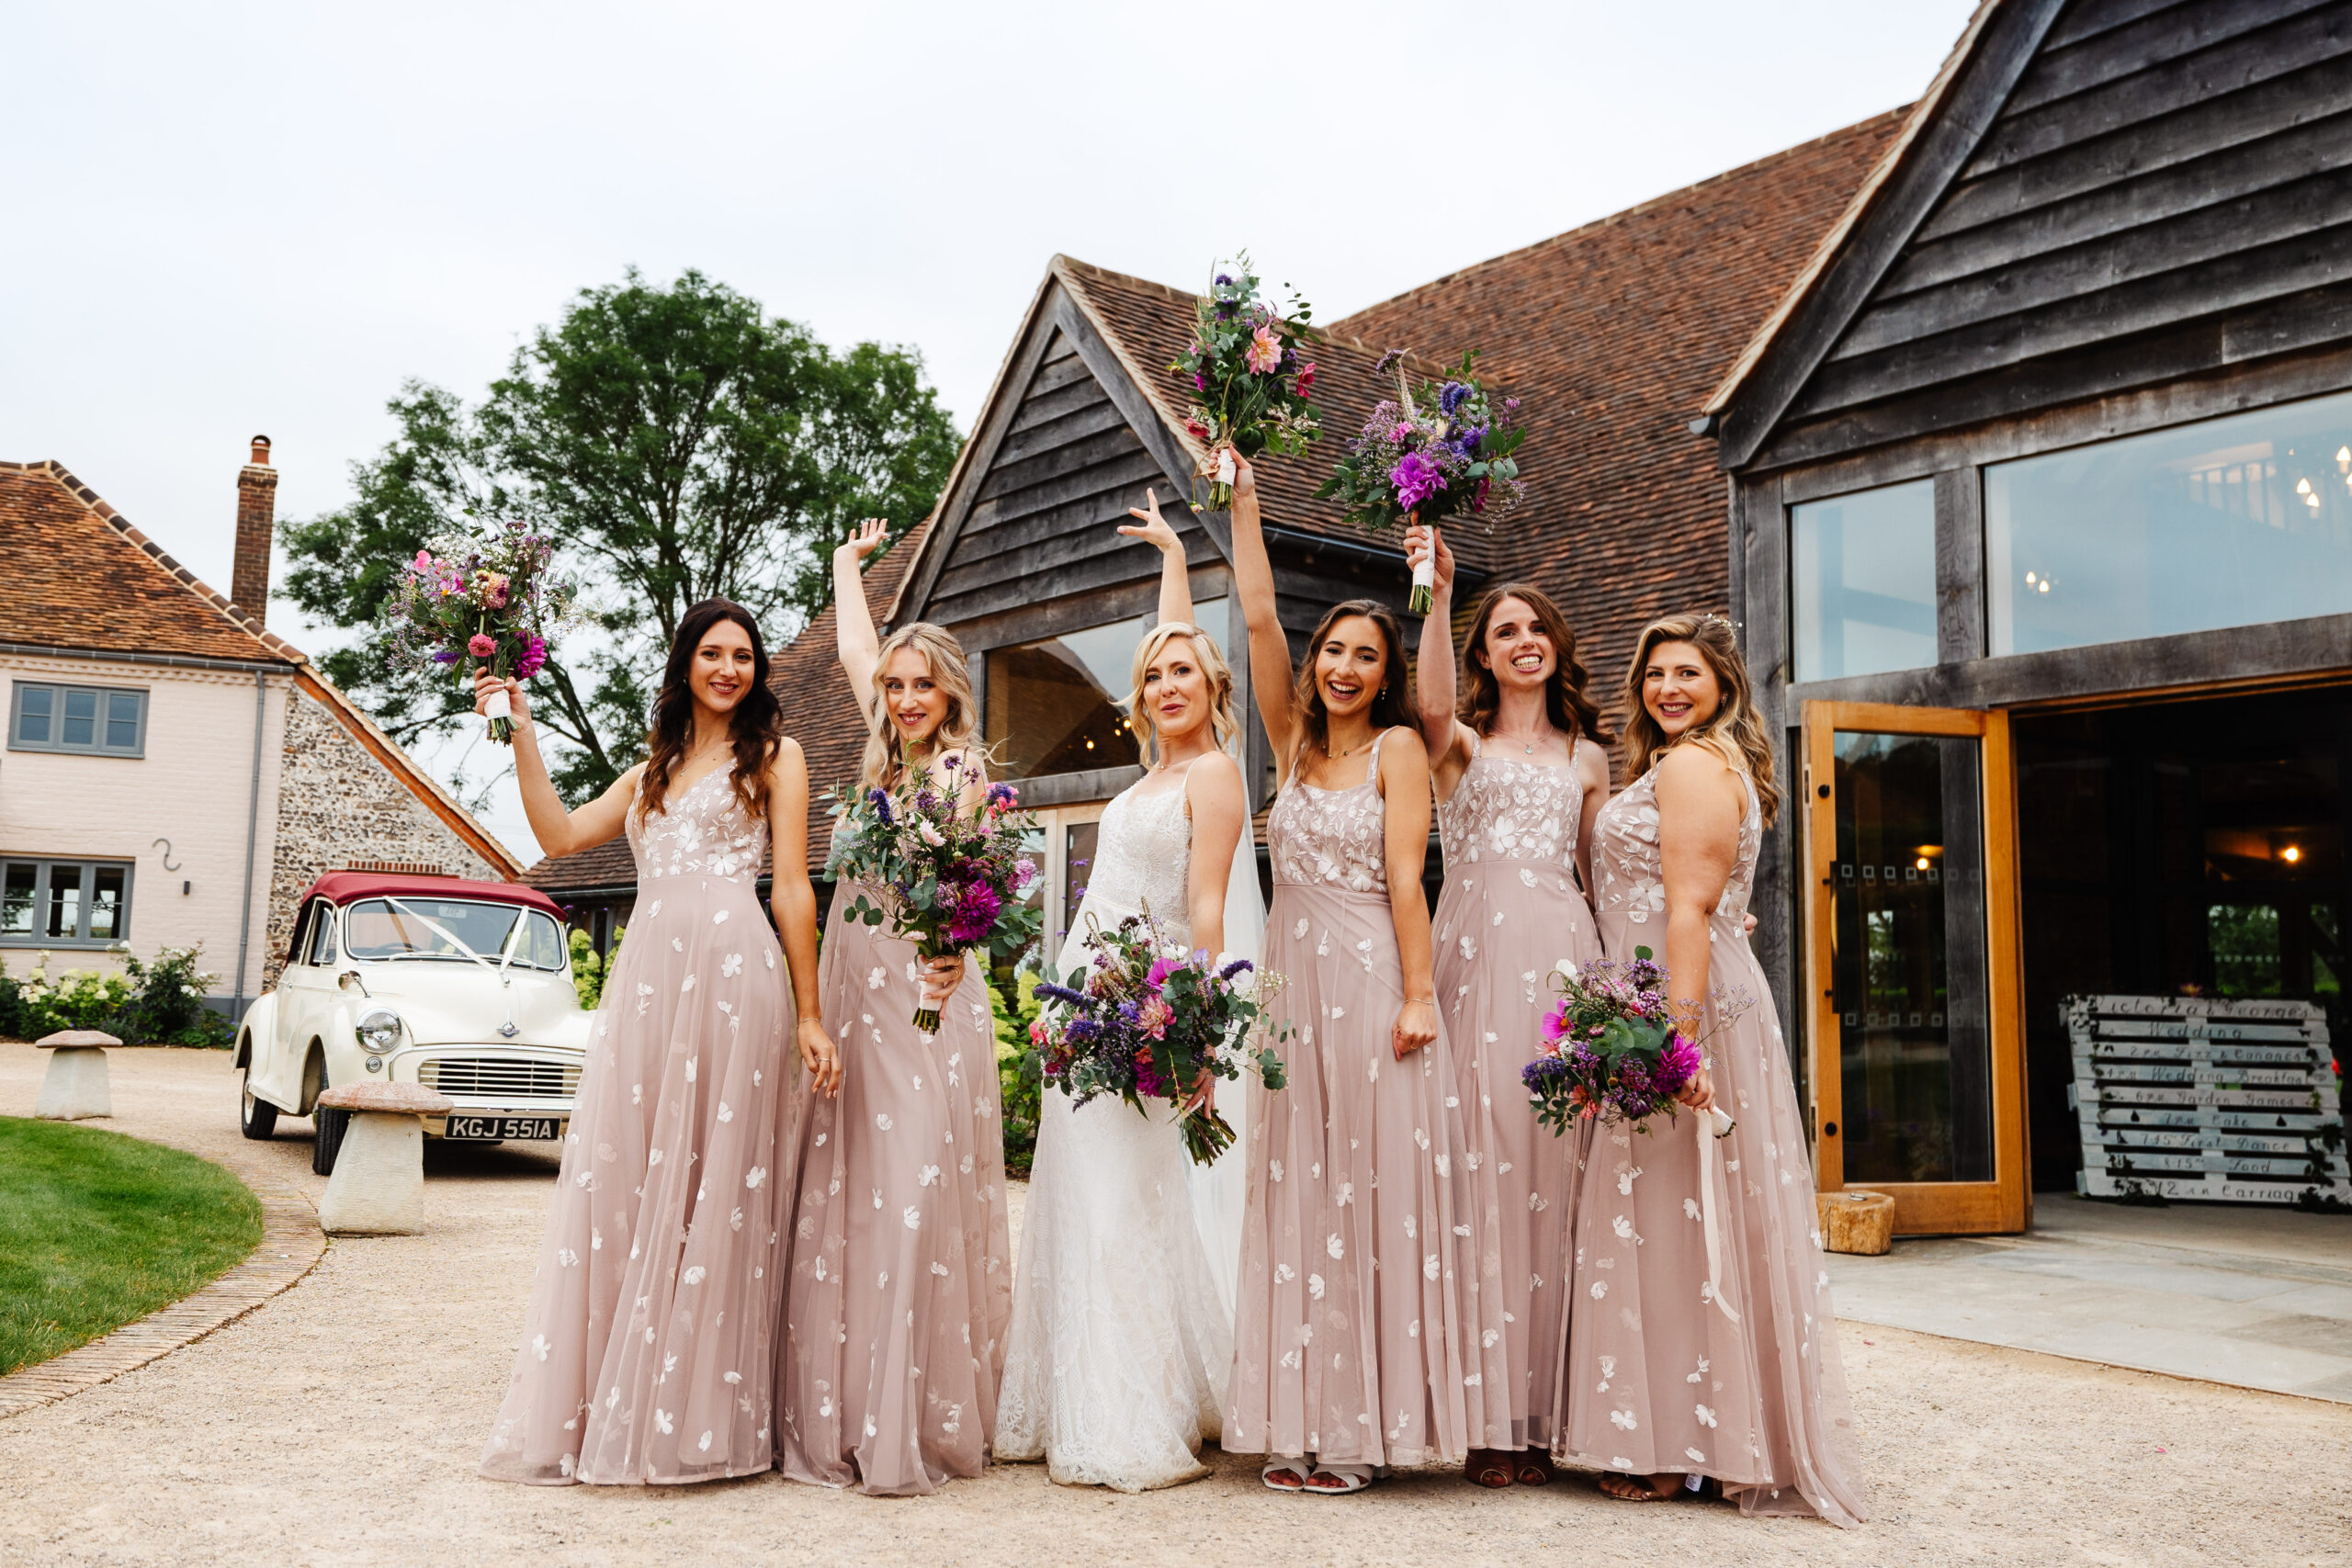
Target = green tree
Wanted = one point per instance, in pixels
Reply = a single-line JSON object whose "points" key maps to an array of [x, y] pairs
{"points": [[680, 442]]}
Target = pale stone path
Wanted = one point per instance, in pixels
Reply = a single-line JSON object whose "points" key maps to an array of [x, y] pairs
{"points": [[340, 1423]]}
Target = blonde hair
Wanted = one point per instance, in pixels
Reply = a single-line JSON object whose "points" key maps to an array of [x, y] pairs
{"points": [[1736, 733], [1223, 727], [959, 728]]}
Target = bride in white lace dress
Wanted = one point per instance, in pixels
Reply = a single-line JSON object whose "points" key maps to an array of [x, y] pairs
{"points": [[1122, 1333]]}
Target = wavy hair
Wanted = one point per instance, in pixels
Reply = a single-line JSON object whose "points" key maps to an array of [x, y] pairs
{"points": [[1223, 725], [1394, 703], [1736, 733], [1570, 708], [756, 724], [959, 731]]}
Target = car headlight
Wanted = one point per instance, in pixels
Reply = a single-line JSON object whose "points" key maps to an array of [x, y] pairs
{"points": [[380, 1029]]}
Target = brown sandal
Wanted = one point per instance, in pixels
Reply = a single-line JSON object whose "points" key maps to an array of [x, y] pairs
{"points": [[1535, 1468], [1487, 1468], [1635, 1488]]}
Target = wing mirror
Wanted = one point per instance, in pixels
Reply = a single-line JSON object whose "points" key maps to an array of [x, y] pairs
{"points": [[349, 979]]}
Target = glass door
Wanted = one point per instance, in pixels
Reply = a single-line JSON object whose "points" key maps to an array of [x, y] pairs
{"points": [[1911, 959]]}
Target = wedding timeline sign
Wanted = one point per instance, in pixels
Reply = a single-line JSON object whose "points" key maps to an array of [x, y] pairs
{"points": [[2192, 1097]]}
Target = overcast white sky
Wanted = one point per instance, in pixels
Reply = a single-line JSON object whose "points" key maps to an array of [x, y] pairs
{"points": [[242, 218]]}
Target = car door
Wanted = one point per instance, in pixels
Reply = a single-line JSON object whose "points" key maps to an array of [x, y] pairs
{"points": [[304, 989]]}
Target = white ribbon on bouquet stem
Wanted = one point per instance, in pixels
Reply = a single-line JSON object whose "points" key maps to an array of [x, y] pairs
{"points": [[1713, 1127]]}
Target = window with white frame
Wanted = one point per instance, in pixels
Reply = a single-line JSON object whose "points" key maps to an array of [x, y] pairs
{"points": [[102, 721], [63, 903]]}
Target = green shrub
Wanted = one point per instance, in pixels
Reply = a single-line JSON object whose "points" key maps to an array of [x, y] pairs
{"points": [[1017, 1066], [588, 970], [166, 1006], [77, 999]]}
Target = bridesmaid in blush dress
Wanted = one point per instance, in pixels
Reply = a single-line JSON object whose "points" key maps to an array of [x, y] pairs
{"points": [[1520, 774], [1701, 1346], [647, 1346], [1358, 1333], [900, 1277]]}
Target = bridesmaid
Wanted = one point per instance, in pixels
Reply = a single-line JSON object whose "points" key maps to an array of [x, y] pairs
{"points": [[900, 1281], [1675, 1380], [1520, 776], [1358, 1332], [647, 1350]]}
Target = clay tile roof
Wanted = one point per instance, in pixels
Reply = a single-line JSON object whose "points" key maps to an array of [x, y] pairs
{"points": [[1149, 324], [1613, 335], [819, 711], [81, 577]]}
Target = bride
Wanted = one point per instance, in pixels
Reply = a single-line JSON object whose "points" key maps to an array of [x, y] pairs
{"points": [[1122, 1331]]}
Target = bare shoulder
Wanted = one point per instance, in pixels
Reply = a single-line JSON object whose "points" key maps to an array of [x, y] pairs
{"points": [[789, 761], [1592, 767], [1216, 771], [1692, 774], [1403, 745]]}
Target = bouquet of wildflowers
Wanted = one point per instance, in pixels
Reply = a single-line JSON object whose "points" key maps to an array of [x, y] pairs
{"points": [[951, 882], [1145, 1019], [1610, 1048], [1252, 387], [1420, 460], [481, 603]]}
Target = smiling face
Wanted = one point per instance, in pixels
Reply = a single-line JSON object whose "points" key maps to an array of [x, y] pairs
{"points": [[1517, 649], [723, 666], [1177, 699], [1350, 665], [1679, 689], [912, 697]]}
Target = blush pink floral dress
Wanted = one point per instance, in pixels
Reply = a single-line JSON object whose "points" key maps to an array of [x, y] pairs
{"points": [[1360, 1337], [1658, 1377], [1511, 910], [647, 1351], [900, 1285]]}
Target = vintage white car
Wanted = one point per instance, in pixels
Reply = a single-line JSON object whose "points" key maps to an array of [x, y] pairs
{"points": [[462, 986]]}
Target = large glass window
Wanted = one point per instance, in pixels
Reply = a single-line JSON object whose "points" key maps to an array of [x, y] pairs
{"points": [[1053, 706], [63, 903], [387, 931], [2228, 523], [1864, 576]]}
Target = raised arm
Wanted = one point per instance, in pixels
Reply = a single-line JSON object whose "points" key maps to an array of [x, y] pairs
{"points": [[1447, 738], [1175, 572], [1253, 578], [1405, 842], [793, 901], [861, 648], [560, 832], [1699, 804]]}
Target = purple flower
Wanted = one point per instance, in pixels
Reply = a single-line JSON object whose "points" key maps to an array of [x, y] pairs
{"points": [[1416, 479], [975, 905], [1451, 398], [1236, 968], [445, 657]]}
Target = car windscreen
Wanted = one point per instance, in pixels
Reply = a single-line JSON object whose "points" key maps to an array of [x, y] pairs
{"points": [[383, 929]]}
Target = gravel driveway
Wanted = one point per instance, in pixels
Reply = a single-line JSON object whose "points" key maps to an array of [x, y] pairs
{"points": [[340, 1423]]}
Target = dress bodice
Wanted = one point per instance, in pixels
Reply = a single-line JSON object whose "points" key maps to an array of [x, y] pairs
{"points": [[1330, 837], [1628, 874], [1503, 808], [1143, 858], [702, 830]]}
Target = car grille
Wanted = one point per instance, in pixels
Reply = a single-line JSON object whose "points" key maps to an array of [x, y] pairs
{"points": [[500, 1075]]}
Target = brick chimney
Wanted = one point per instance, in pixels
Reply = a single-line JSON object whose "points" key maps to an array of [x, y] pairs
{"points": [[256, 519]]}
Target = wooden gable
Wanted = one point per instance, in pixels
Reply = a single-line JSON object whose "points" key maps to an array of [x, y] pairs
{"points": [[2098, 194]]}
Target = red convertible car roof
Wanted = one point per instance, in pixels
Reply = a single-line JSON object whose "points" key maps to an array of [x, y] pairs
{"points": [[342, 887]]}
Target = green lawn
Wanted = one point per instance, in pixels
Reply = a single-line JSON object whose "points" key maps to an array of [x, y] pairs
{"points": [[97, 1229]]}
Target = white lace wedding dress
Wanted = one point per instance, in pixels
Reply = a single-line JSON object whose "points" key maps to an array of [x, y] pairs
{"points": [[1122, 1333]]}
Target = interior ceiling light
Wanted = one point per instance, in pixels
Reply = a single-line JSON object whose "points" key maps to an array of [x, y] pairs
{"points": [[2290, 854]]}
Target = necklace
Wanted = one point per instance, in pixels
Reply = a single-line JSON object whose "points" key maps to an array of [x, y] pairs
{"points": [[1331, 755], [1529, 746]]}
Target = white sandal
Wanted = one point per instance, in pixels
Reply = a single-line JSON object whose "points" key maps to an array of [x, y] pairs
{"points": [[1352, 1478], [1285, 1467]]}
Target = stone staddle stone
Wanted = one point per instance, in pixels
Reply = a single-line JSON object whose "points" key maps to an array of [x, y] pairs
{"points": [[378, 1188], [75, 1088]]}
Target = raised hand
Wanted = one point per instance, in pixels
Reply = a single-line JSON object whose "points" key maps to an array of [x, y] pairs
{"points": [[485, 683], [864, 539], [1419, 540], [1151, 527]]}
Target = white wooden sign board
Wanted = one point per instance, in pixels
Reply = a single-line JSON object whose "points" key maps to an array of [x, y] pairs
{"points": [[2193, 1097]]}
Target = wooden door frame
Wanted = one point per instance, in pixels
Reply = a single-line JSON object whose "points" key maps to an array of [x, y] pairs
{"points": [[2004, 1204]]}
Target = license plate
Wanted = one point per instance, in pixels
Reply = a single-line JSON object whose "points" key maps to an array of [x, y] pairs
{"points": [[466, 1129]]}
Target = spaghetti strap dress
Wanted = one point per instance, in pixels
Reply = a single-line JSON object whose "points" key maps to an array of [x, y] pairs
{"points": [[648, 1345], [1736, 1376], [1358, 1331], [1511, 910]]}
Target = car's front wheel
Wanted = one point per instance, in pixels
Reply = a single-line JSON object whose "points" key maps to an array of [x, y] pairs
{"points": [[330, 1125], [259, 1117]]}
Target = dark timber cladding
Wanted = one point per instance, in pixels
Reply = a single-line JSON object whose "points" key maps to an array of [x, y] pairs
{"points": [[2113, 194]]}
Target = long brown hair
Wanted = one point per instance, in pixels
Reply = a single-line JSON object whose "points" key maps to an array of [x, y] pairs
{"points": [[1736, 733], [886, 752], [1393, 702], [756, 724], [1571, 710]]}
